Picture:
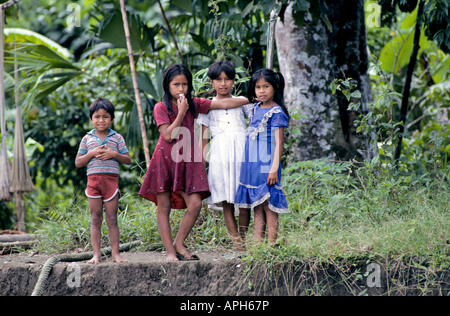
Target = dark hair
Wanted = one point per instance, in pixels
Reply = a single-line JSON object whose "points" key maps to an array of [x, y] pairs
{"points": [[170, 73], [101, 104], [276, 80], [220, 66]]}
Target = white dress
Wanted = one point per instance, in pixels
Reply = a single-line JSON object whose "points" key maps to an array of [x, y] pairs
{"points": [[228, 132]]}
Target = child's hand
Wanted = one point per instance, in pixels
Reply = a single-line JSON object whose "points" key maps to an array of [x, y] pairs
{"points": [[272, 178], [105, 153], [183, 105]]}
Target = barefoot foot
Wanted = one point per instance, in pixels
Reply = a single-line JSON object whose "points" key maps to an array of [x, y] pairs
{"points": [[96, 259], [171, 257], [118, 258]]}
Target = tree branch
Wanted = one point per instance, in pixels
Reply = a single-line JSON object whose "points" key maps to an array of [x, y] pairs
{"points": [[170, 31], [409, 74]]}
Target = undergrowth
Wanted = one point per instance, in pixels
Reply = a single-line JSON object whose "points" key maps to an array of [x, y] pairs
{"points": [[337, 212], [342, 217]]}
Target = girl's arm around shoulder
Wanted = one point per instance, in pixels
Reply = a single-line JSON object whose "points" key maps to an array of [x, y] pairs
{"points": [[228, 103]]}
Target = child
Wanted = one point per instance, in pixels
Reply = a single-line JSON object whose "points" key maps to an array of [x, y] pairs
{"points": [[176, 177], [228, 130], [102, 149], [259, 186]]}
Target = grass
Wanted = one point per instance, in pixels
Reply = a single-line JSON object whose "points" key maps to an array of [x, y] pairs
{"points": [[338, 212]]}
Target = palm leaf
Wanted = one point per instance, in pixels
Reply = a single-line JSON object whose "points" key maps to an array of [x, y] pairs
{"points": [[111, 30], [19, 35], [43, 71]]}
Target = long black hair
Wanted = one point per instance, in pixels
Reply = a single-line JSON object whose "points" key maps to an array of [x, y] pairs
{"points": [[170, 73], [276, 80]]}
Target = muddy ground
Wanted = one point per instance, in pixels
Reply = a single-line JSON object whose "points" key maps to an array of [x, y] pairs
{"points": [[145, 273], [219, 273], [215, 274]]}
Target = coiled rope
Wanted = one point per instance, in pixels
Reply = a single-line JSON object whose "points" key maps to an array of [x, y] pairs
{"points": [[48, 265]]}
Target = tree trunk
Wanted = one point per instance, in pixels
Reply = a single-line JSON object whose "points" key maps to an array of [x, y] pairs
{"points": [[20, 212], [310, 58]]}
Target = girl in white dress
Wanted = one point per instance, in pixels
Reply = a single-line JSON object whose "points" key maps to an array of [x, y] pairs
{"points": [[228, 131]]}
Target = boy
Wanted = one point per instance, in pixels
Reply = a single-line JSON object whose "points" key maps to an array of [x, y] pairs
{"points": [[102, 149]]}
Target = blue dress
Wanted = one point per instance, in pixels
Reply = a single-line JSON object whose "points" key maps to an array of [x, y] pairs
{"points": [[259, 149]]}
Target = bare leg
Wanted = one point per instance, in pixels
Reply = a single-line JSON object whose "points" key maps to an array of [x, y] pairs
{"points": [[194, 205], [272, 224], [230, 223], [259, 226], [111, 208], [96, 208], [244, 221], [164, 207]]}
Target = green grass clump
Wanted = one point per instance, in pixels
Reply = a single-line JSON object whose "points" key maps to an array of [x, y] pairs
{"points": [[338, 212]]}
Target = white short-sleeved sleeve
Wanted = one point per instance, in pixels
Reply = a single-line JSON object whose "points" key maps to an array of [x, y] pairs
{"points": [[204, 119]]}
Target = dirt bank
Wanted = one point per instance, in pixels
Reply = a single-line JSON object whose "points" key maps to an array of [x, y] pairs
{"points": [[146, 273], [216, 274]]}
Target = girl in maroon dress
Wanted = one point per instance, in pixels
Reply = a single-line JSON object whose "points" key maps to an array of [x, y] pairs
{"points": [[176, 177]]}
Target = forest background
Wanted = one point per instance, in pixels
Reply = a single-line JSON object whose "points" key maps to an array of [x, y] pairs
{"points": [[365, 174]]}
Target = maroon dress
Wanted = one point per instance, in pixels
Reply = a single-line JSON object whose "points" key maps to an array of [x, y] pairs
{"points": [[177, 166]]}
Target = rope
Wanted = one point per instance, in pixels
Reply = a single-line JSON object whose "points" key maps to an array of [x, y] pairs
{"points": [[48, 265]]}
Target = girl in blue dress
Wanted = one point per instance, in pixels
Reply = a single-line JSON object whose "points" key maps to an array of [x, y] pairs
{"points": [[259, 186]]}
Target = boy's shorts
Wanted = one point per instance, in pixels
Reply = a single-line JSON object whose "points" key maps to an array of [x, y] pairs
{"points": [[102, 185]]}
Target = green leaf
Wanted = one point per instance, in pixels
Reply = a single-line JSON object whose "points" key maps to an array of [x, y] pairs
{"points": [[268, 6], [247, 10], [346, 93], [39, 57], [356, 94], [146, 85], [400, 48], [111, 31], [44, 89], [185, 5], [301, 5], [27, 36]]}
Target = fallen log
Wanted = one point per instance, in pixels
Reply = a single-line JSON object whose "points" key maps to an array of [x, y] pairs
{"points": [[9, 247], [17, 237]]}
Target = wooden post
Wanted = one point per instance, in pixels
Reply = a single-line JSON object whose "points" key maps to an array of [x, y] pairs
{"points": [[135, 83], [271, 39], [4, 162]]}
